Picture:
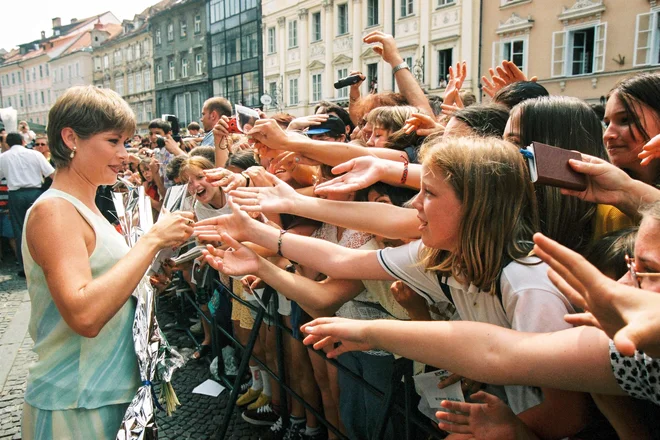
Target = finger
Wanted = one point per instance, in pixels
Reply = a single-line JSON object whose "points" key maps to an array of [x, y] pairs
{"points": [[214, 262], [534, 79], [627, 339], [485, 397], [574, 297], [455, 428], [456, 419], [462, 407], [579, 319], [208, 237], [450, 380]]}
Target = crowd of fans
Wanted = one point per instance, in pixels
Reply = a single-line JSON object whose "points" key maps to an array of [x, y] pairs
{"points": [[405, 207]]}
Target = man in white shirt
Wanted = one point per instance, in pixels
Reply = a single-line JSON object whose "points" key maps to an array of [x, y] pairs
{"points": [[25, 171]]}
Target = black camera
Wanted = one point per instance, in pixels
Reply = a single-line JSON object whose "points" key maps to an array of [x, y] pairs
{"points": [[348, 81], [174, 123], [160, 141]]}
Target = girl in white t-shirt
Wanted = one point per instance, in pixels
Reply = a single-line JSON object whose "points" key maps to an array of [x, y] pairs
{"points": [[476, 212]]}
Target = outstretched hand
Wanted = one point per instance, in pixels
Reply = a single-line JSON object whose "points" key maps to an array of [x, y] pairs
{"points": [[605, 182], [235, 260], [238, 225], [326, 332], [626, 314], [651, 151], [356, 174], [507, 73], [422, 124], [457, 76], [385, 47], [277, 197]]}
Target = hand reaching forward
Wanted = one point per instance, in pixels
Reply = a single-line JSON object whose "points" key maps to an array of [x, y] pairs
{"points": [[236, 260], [422, 124], [276, 198], [626, 314], [457, 76], [651, 151], [238, 225], [605, 182], [356, 174], [325, 332], [387, 49], [507, 73]]}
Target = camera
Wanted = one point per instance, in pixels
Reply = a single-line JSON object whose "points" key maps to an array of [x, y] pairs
{"points": [[174, 123], [348, 81], [160, 141]]}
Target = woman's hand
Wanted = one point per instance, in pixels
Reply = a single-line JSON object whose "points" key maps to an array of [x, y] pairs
{"points": [[325, 332], [269, 133], [467, 385], [172, 229], [387, 50], [490, 419], [236, 260], [626, 314], [456, 78], [358, 173], [422, 124], [507, 73], [605, 182], [651, 151], [277, 197], [307, 121], [238, 225], [252, 282], [225, 179]]}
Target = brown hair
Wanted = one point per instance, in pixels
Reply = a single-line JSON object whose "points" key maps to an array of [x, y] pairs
{"points": [[370, 102], [194, 162], [87, 110], [491, 180]]}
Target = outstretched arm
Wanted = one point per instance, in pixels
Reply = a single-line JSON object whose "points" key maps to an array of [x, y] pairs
{"points": [[322, 256], [575, 359], [376, 218]]}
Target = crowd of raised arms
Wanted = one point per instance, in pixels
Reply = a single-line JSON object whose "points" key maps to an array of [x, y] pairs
{"points": [[543, 302]]}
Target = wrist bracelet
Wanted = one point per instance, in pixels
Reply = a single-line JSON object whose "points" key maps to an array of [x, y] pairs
{"points": [[404, 176], [247, 179], [401, 66], [279, 242]]}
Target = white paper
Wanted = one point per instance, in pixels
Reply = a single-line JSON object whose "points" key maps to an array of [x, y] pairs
{"points": [[258, 295], [426, 385], [209, 388]]}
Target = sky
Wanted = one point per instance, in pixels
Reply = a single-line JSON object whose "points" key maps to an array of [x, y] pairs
{"points": [[38, 15]]}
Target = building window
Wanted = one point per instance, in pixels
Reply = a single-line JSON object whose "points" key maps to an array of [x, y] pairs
{"points": [[372, 77], [187, 106], [342, 19], [172, 75], [198, 24], [184, 68], [138, 50], [647, 39], [407, 8], [117, 58], [29, 100], [251, 89], [217, 8], [343, 92], [218, 50], [20, 101], [146, 78], [131, 84], [316, 27], [233, 45], [579, 51], [514, 50], [445, 2], [148, 107], [159, 74], [444, 63], [27, 77], [317, 90], [158, 39], [271, 40], [272, 91], [41, 71], [233, 7], [170, 31], [249, 41], [138, 82], [183, 28], [119, 85], [34, 75], [372, 13], [77, 70], [293, 34], [293, 91], [43, 97], [106, 61], [13, 78], [198, 64]]}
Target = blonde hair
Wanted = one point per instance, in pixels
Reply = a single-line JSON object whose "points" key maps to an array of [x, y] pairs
{"points": [[87, 110], [490, 178], [393, 119], [194, 162]]}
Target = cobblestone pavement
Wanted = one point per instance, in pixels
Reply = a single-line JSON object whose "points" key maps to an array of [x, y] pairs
{"points": [[196, 418]]}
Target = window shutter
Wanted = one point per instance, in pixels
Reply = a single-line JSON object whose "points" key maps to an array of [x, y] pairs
{"points": [[559, 40], [644, 38], [600, 44]]}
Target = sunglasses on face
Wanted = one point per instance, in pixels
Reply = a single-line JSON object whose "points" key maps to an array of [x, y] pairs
{"points": [[40, 145]]}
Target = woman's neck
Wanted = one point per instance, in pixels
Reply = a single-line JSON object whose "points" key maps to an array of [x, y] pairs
{"points": [[70, 181], [218, 200]]}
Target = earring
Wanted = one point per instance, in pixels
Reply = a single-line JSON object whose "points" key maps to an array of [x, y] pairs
{"points": [[73, 152]]}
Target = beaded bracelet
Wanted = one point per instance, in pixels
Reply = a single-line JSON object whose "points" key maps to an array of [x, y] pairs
{"points": [[404, 176], [279, 242]]}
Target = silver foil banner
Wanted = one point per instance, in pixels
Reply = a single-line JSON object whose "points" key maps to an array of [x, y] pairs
{"points": [[156, 359]]}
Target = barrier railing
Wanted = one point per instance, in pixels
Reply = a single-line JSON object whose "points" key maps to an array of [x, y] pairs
{"points": [[402, 374]]}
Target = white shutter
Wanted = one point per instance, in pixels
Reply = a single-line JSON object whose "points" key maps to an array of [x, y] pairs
{"points": [[497, 53], [559, 41], [600, 43], [644, 31]]}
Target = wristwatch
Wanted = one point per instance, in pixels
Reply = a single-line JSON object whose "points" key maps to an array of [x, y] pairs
{"points": [[403, 65]]}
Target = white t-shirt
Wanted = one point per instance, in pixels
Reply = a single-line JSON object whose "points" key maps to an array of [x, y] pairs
{"points": [[530, 302]]}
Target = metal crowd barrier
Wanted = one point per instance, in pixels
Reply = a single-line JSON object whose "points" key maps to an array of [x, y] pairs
{"points": [[402, 374]]}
